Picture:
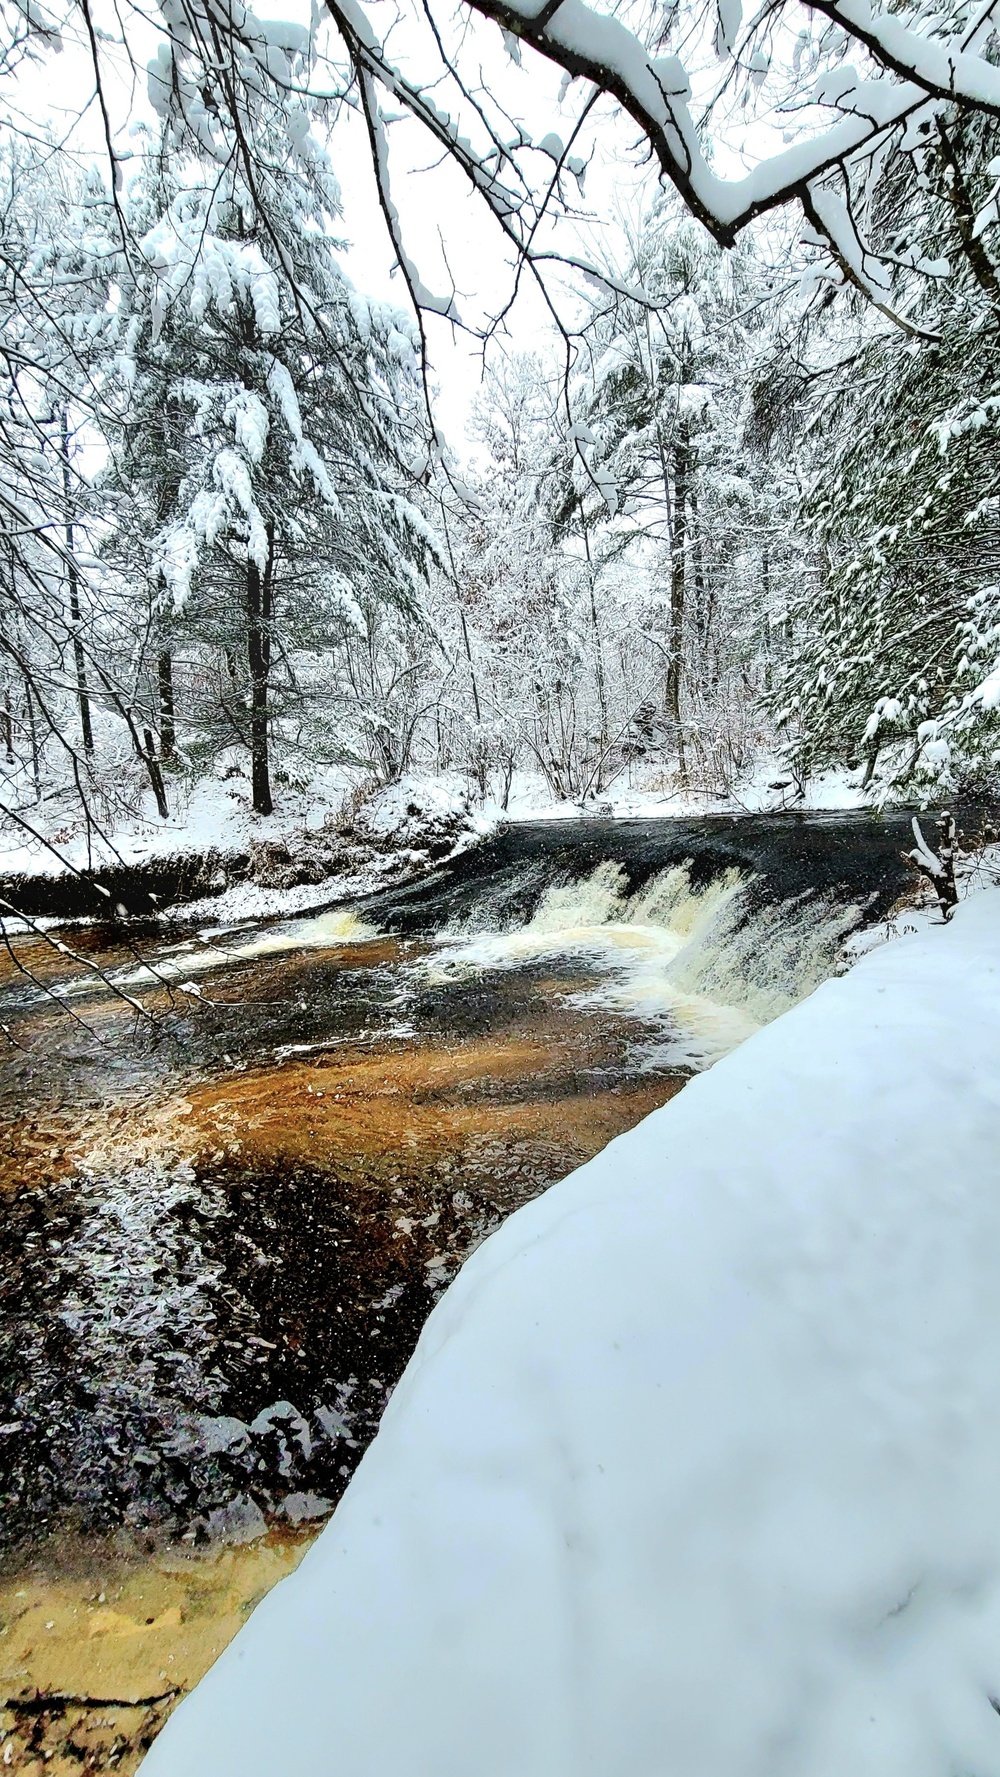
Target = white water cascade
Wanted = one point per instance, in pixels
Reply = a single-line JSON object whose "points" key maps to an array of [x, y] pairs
{"points": [[709, 964]]}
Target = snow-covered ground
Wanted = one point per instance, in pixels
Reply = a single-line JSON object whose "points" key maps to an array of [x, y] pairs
{"points": [[696, 1469], [767, 788], [212, 815], [215, 815], [393, 829]]}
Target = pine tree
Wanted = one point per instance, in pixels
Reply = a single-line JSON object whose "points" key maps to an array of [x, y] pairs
{"points": [[262, 472], [899, 624]]}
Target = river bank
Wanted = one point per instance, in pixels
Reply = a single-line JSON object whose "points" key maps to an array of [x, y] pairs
{"points": [[335, 841], [221, 862]]}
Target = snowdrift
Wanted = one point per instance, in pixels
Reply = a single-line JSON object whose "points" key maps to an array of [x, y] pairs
{"points": [[696, 1469]]}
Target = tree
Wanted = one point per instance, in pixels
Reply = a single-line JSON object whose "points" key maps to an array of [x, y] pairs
{"points": [[664, 468], [899, 621], [268, 418], [854, 87]]}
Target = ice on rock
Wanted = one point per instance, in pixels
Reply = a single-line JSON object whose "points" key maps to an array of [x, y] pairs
{"points": [[300, 1508], [213, 1435], [283, 1414], [334, 1424], [239, 1521]]}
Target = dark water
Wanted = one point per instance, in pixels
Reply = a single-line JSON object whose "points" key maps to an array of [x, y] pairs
{"points": [[858, 855], [226, 1214]]}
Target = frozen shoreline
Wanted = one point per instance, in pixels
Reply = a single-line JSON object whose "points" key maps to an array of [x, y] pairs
{"points": [[222, 864], [214, 816]]}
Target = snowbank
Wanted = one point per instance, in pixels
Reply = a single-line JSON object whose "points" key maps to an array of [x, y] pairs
{"points": [[320, 845], [435, 813], [211, 815], [696, 1469]]}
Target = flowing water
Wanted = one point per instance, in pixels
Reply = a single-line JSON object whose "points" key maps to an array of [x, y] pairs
{"points": [[233, 1189]]}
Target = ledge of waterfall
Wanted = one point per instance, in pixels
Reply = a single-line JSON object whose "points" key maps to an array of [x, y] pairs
{"points": [[695, 1467]]}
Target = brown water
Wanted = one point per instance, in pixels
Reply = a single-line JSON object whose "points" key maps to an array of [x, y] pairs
{"points": [[225, 1216], [212, 1278]]}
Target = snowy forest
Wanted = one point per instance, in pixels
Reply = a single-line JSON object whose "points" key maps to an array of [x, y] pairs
{"points": [[730, 505], [500, 890]]}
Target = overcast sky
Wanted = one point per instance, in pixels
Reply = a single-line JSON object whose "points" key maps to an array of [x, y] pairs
{"points": [[444, 222]]}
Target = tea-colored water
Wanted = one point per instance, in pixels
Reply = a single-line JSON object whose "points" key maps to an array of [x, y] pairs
{"points": [[326, 1197], [237, 1168]]}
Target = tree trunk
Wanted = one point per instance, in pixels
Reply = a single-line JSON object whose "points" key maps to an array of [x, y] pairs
{"points": [[8, 728], [472, 669], [165, 675], [963, 208], [602, 693], [939, 866], [143, 744], [765, 571], [29, 709], [259, 657], [73, 578], [678, 566], [155, 774]]}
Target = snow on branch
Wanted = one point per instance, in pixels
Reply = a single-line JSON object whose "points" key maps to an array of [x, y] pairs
{"points": [[943, 70], [938, 867], [910, 68], [831, 216], [422, 297]]}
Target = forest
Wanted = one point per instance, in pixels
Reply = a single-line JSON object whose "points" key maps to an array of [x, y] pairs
{"points": [[732, 508], [499, 910]]}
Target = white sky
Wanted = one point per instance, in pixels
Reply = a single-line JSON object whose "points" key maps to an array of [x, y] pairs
{"points": [[444, 223], [440, 215]]}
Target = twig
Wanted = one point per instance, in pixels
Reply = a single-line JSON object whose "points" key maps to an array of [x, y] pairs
{"points": [[44, 1701]]}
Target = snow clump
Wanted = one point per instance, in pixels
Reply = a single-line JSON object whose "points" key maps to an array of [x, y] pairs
{"points": [[432, 815]]}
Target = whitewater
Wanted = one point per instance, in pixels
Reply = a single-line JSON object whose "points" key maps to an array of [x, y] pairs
{"points": [[695, 1471], [699, 965]]}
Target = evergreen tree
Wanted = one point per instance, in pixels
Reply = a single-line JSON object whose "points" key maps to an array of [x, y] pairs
{"points": [[269, 415], [898, 624]]}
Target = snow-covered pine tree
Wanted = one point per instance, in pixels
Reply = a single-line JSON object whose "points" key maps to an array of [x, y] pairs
{"points": [[271, 417], [897, 627]]}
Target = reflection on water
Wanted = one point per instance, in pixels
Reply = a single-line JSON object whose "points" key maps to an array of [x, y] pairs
{"points": [[224, 1224], [98, 1649]]}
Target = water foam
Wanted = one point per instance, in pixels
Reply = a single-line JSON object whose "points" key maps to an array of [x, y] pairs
{"points": [[709, 963], [199, 956]]}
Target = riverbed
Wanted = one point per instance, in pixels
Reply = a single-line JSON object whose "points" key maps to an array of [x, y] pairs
{"points": [[239, 1166]]}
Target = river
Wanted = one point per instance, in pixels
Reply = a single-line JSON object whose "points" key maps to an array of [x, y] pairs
{"points": [[240, 1164]]}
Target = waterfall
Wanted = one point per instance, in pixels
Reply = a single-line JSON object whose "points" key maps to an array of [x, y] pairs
{"points": [[708, 962]]}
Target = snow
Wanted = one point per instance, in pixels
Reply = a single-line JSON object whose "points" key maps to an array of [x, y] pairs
{"points": [[767, 788], [407, 810], [422, 297], [213, 814], [695, 1468]]}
